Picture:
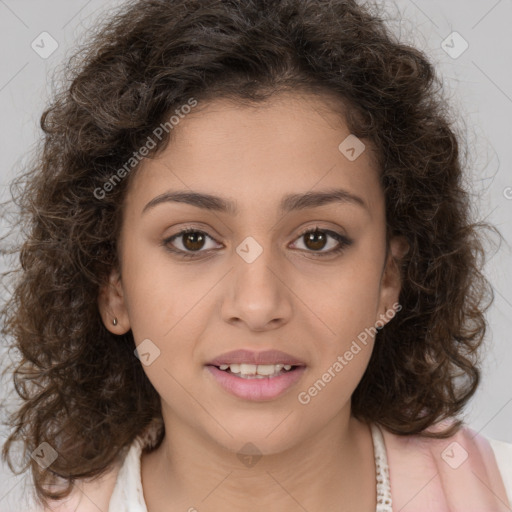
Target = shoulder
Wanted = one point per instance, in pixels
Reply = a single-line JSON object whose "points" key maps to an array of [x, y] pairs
{"points": [[464, 460], [453, 450], [87, 495], [120, 485], [464, 435]]}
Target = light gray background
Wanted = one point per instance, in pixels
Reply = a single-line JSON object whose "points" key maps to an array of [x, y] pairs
{"points": [[479, 83]]}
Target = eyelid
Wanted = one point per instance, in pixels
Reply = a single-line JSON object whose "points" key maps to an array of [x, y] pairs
{"points": [[343, 242], [182, 232]]}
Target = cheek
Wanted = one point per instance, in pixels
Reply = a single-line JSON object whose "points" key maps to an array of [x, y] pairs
{"points": [[157, 294], [167, 304], [346, 304], [348, 296], [343, 345]]}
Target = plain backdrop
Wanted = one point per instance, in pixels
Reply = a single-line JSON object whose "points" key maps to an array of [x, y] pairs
{"points": [[475, 65]]}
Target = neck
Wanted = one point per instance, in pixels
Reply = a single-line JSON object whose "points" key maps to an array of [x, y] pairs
{"points": [[332, 469]]}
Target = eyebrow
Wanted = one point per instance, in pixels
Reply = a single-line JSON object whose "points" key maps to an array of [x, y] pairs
{"points": [[290, 202]]}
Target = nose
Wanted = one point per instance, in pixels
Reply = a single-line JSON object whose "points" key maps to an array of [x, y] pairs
{"points": [[257, 294]]}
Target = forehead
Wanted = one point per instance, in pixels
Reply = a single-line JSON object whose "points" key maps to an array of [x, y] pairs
{"points": [[288, 144]]}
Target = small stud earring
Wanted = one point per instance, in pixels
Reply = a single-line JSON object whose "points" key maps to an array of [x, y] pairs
{"points": [[114, 321]]}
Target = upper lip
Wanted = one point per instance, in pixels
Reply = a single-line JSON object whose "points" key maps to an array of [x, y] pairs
{"points": [[251, 357]]}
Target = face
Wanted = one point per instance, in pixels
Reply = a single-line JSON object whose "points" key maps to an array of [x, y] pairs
{"points": [[255, 275]]}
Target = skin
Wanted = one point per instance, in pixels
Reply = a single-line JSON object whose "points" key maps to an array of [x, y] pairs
{"points": [[315, 456]]}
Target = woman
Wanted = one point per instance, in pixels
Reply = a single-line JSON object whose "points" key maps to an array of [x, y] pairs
{"points": [[251, 278]]}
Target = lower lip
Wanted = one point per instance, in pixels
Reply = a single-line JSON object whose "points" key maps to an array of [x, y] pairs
{"points": [[256, 389]]}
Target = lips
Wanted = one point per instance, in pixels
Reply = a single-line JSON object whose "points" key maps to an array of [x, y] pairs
{"points": [[252, 389], [252, 357]]}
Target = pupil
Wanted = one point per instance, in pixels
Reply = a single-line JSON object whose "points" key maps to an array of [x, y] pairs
{"points": [[316, 238], [313, 237], [194, 237]]}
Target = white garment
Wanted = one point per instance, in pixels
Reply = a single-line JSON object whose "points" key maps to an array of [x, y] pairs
{"points": [[128, 495]]}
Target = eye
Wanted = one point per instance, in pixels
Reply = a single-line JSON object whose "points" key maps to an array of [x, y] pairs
{"points": [[191, 240], [316, 239]]}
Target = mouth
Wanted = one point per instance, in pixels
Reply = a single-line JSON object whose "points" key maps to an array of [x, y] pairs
{"points": [[256, 382], [251, 357], [253, 371]]}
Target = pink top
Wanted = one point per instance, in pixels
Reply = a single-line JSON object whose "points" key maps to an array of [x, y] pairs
{"points": [[458, 474]]}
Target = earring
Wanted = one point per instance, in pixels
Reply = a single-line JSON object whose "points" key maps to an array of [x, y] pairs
{"points": [[114, 321]]}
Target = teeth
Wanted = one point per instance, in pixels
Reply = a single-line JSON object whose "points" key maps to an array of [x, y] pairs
{"points": [[263, 370]]}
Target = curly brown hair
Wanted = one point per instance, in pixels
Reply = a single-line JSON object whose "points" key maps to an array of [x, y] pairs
{"points": [[82, 389]]}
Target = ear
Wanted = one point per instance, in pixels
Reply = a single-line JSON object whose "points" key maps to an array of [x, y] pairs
{"points": [[112, 305], [391, 281]]}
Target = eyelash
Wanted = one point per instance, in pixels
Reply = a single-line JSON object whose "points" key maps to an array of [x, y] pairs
{"points": [[344, 242]]}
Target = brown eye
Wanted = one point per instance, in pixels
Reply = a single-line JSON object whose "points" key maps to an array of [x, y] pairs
{"points": [[315, 240], [191, 241]]}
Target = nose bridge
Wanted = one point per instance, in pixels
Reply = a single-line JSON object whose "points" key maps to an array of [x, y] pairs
{"points": [[254, 274], [257, 294]]}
